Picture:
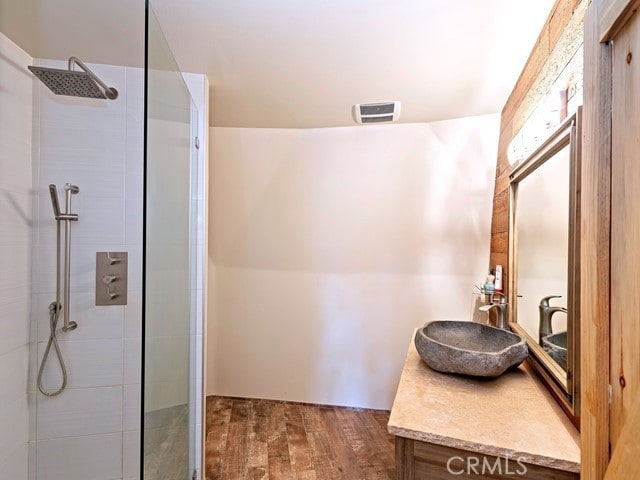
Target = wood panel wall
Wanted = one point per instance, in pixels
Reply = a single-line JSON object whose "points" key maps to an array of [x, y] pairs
{"points": [[519, 106]]}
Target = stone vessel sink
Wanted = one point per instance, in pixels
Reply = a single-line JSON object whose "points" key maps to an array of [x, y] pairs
{"points": [[469, 348], [556, 347]]}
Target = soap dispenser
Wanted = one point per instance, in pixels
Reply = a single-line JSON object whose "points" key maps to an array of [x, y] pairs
{"points": [[498, 282]]}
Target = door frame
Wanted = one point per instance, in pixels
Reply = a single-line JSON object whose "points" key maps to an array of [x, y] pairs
{"points": [[603, 20]]}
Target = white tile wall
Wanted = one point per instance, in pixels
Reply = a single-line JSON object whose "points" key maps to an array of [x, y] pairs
{"points": [[32, 459], [89, 457], [16, 214], [16, 263], [14, 387], [133, 315], [16, 331], [98, 323], [81, 411], [169, 372], [131, 404], [14, 414], [132, 361], [90, 363], [15, 464], [131, 454]]}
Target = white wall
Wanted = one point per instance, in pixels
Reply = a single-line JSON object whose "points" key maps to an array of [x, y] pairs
{"points": [[16, 217], [91, 430], [331, 245]]}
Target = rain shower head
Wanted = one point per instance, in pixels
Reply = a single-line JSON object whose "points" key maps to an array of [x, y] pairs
{"points": [[74, 83]]}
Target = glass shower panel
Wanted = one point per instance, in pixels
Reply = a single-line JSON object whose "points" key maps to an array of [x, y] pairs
{"points": [[195, 376], [167, 305]]}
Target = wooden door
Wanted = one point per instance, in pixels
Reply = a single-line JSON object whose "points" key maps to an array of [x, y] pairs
{"points": [[625, 226], [610, 240]]}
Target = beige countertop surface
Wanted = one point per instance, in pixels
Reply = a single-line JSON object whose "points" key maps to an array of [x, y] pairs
{"points": [[510, 416]]}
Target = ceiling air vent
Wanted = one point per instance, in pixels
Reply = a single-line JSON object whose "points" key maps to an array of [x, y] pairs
{"points": [[376, 112]]}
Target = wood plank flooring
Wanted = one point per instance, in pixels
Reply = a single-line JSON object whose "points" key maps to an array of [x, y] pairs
{"points": [[264, 439]]}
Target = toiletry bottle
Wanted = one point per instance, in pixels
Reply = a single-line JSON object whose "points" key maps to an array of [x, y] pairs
{"points": [[489, 286], [498, 284]]}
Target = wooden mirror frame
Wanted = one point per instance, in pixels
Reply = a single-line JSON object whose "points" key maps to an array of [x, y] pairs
{"points": [[564, 387]]}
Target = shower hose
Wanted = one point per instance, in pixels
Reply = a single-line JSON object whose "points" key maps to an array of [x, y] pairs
{"points": [[54, 313], [54, 310]]}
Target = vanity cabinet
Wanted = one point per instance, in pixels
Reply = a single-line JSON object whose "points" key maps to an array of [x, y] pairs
{"points": [[449, 426], [416, 460]]}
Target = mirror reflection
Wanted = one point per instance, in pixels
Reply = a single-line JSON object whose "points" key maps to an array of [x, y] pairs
{"points": [[542, 220]]}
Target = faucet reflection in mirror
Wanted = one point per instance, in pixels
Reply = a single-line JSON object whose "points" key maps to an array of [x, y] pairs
{"points": [[546, 313]]}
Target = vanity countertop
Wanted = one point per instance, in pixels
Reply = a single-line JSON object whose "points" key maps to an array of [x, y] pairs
{"points": [[509, 416]]}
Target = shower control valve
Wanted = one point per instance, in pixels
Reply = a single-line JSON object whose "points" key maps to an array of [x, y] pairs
{"points": [[111, 278]]}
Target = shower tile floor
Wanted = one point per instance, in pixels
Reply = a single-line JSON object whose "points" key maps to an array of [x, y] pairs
{"points": [[264, 439], [166, 443]]}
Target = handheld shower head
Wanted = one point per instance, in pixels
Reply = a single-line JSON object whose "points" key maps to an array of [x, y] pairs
{"points": [[74, 83], [53, 192]]}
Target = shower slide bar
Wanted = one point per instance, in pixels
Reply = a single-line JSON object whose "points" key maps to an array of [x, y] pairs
{"points": [[67, 218], [55, 307]]}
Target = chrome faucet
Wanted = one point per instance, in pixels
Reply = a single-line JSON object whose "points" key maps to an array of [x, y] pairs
{"points": [[546, 312], [501, 309]]}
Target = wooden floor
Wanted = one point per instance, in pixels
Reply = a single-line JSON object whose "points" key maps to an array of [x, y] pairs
{"points": [[262, 439]]}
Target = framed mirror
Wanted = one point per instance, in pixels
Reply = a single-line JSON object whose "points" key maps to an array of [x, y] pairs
{"points": [[544, 229]]}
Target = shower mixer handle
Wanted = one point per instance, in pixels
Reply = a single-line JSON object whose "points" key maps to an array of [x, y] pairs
{"points": [[107, 279], [112, 260]]}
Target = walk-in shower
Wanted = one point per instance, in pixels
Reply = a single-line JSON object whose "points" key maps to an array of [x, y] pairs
{"points": [[56, 307], [74, 83], [101, 368]]}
